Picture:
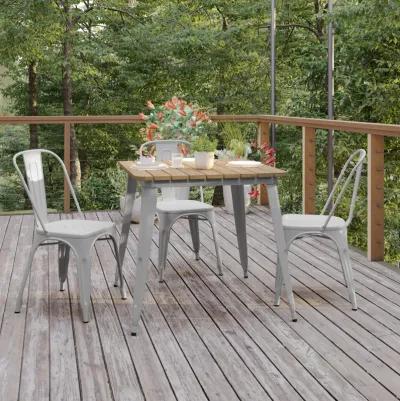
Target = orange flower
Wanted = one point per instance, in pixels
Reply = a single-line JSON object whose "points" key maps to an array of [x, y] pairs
{"points": [[150, 105], [149, 134]]}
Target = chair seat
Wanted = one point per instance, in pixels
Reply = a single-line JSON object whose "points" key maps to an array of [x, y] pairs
{"points": [[78, 228], [311, 222], [182, 206]]}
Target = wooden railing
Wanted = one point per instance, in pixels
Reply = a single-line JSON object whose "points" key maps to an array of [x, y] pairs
{"points": [[376, 135]]}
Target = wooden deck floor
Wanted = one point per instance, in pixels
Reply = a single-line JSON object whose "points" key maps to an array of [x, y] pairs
{"points": [[202, 337]]}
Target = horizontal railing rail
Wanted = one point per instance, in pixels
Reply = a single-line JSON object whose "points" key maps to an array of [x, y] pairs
{"points": [[376, 133]]}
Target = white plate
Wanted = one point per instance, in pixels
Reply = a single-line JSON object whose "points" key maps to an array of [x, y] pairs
{"points": [[151, 166], [244, 163]]}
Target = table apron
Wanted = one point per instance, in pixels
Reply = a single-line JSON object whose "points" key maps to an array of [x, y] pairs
{"points": [[210, 183]]}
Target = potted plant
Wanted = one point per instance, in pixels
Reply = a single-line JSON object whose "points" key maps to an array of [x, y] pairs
{"points": [[204, 150]]}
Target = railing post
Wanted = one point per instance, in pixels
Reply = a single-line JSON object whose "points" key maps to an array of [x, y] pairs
{"points": [[263, 137], [67, 162], [309, 177], [376, 173]]}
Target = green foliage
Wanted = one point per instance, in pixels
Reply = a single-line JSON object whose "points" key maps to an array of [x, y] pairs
{"points": [[204, 144], [238, 148], [102, 189], [215, 53], [230, 132]]}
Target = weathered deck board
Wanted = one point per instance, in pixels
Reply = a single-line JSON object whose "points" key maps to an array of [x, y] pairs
{"points": [[13, 325], [202, 337]]}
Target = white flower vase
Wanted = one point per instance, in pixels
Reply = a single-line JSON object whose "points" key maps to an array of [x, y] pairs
{"points": [[204, 160], [228, 198]]}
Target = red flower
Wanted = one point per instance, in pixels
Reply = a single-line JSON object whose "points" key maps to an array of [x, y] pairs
{"points": [[254, 193]]}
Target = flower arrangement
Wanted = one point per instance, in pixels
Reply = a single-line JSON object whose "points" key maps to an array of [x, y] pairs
{"points": [[175, 119]]}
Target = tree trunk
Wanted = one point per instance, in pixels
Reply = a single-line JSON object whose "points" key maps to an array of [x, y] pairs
{"points": [[33, 103], [67, 92]]}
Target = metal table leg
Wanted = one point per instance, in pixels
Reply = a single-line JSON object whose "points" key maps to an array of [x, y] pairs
{"points": [[240, 223], [148, 209], [282, 263], [126, 222]]}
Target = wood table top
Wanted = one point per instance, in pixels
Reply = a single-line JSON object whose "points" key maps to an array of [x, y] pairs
{"points": [[187, 173]]}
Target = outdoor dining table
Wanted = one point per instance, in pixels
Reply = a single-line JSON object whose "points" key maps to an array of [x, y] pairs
{"points": [[187, 176]]}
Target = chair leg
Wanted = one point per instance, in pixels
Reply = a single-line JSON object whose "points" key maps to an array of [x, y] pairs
{"points": [[84, 266], [278, 284], [63, 261], [163, 240], [211, 219], [194, 232], [27, 271], [118, 272], [344, 255]]}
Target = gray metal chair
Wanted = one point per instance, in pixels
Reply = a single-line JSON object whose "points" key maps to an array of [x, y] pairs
{"points": [[298, 226], [175, 204], [78, 235]]}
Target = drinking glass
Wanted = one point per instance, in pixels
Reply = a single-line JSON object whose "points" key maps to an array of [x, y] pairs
{"points": [[177, 160]]}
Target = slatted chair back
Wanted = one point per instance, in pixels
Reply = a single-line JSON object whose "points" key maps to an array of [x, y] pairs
{"points": [[351, 171], [34, 184]]}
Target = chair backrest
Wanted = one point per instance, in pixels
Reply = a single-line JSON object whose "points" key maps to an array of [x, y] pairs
{"points": [[351, 171], [34, 184], [164, 150]]}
